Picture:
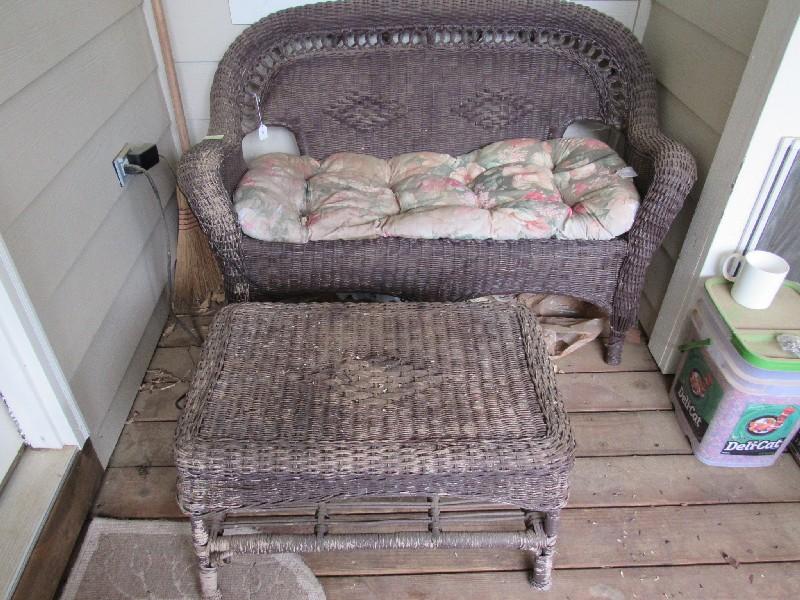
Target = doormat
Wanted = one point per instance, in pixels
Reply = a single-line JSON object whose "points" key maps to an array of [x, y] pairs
{"points": [[155, 560]]}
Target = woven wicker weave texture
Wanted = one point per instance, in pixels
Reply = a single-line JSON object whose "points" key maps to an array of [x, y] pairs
{"points": [[387, 77], [303, 403]]}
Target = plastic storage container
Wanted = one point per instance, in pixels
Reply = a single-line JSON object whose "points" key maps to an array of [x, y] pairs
{"points": [[737, 414]]}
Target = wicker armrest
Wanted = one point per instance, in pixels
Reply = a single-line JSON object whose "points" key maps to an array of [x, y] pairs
{"points": [[207, 175], [674, 172]]}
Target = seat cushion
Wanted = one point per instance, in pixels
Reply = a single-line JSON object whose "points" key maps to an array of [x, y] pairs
{"points": [[510, 190]]}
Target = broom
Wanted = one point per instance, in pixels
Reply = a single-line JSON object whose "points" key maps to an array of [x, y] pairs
{"points": [[197, 275]]}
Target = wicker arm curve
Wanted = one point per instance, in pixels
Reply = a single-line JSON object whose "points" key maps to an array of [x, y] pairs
{"points": [[208, 175], [673, 173]]}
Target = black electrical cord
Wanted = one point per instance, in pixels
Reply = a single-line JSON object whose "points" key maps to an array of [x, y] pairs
{"points": [[169, 166], [137, 170]]}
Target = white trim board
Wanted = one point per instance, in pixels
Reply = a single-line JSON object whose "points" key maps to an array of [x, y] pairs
{"points": [[764, 111], [34, 387], [25, 504], [642, 18], [10, 443], [246, 12]]}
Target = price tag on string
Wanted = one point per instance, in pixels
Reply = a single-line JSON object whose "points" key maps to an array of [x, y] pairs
{"points": [[263, 131]]}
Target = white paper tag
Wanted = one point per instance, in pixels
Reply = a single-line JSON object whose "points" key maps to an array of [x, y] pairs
{"points": [[263, 132], [627, 173]]}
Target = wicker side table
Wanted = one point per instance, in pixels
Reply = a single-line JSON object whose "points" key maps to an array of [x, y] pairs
{"points": [[303, 409]]}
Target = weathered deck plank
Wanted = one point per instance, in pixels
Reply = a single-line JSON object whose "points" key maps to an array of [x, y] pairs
{"points": [[582, 392], [598, 392], [613, 537], [706, 582], [606, 538], [589, 359], [149, 493], [638, 501], [597, 434]]}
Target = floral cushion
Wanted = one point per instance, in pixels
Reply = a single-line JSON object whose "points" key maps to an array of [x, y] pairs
{"points": [[514, 189]]}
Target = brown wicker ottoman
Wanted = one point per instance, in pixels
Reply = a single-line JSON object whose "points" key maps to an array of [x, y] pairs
{"points": [[319, 413]]}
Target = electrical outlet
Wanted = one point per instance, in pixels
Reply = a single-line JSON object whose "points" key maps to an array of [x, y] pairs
{"points": [[120, 160]]}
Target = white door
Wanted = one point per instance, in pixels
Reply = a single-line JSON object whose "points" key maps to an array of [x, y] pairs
{"points": [[10, 443]]}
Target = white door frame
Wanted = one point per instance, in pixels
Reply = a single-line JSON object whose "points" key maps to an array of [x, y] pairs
{"points": [[763, 112], [34, 386], [10, 444]]}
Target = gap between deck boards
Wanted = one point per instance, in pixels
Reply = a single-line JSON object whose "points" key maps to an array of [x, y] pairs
{"points": [[597, 434], [149, 492], [717, 582], [161, 396], [605, 537]]}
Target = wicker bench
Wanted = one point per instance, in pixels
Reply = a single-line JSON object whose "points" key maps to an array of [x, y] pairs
{"points": [[320, 413], [384, 77]]}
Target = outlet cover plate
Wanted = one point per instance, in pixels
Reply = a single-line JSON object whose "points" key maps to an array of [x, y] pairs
{"points": [[120, 160]]}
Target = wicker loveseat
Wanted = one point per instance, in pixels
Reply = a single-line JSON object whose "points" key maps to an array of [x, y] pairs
{"points": [[385, 77]]}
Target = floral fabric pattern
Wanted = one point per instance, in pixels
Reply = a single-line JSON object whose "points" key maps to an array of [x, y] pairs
{"points": [[509, 190]]}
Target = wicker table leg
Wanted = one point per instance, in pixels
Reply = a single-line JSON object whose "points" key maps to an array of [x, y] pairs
{"points": [[538, 539], [207, 567], [541, 575], [551, 520]]}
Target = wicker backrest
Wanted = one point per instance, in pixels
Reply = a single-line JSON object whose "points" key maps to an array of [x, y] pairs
{"points": [[385, 77]]}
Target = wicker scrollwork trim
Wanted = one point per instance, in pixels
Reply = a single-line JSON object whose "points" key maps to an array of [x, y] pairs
{"points": [[590, 54]]}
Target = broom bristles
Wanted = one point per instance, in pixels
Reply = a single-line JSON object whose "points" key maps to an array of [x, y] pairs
{"points": [[197, 275]]}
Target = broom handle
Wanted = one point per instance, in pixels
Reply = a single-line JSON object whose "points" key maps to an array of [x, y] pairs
{"points": [[172, 77]]}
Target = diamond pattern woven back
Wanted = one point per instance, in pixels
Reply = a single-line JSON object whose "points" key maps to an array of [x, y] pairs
{"points": [[495, 109], [363, 112], [338, 372], [441, 100]]}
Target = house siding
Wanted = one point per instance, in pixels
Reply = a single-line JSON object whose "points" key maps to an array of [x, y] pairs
{"points": [[699, 51], [78, 80]]}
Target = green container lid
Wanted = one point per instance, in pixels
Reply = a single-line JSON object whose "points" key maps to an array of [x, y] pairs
{"points": [[754, 332]]}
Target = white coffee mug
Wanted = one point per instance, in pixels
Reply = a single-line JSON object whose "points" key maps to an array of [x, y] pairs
{"points": [[760, 276]]}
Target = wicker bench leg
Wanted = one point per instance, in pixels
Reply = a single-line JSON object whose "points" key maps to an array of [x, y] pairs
{"points": [[614, 346], [207, 567]]}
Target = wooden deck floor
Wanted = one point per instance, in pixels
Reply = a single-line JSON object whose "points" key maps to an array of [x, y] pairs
{"points": [[645, 520]]}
